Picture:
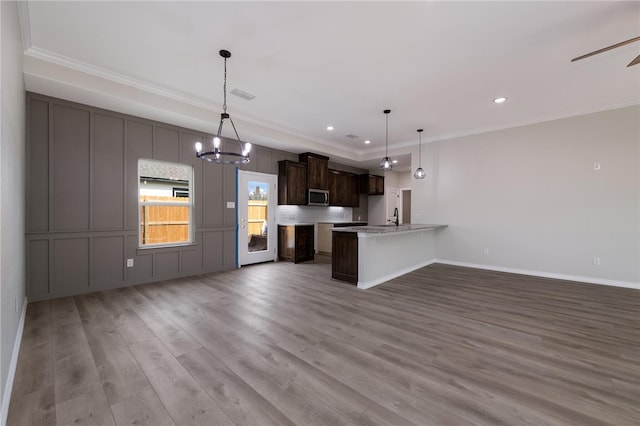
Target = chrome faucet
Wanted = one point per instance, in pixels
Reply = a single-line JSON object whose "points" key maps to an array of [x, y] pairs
{"points": [[395, 214]]}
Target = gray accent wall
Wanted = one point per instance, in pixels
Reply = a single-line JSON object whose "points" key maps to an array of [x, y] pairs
{"points": [[82, 209]]}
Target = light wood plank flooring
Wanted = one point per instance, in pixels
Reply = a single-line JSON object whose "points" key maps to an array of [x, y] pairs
{"points": [[283, 344]]}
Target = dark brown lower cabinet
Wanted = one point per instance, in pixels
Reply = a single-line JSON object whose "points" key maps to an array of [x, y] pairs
{"points": [[295, 243], [344, 263]]}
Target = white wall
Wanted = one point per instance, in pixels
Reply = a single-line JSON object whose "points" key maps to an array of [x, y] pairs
{"points": [[400, 180], [12, 190], [530, 196]]}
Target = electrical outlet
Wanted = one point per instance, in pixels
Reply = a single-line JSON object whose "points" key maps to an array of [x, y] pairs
{"points": [[485, 251], [596, 261], [129, 263], [231, 204], [596, 166]]}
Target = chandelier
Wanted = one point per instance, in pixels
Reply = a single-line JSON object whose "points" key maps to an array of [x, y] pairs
{"points": [[386, 161], [217, 155]]}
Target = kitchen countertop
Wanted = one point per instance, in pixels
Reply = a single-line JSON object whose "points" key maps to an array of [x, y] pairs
{"points": [[389, 229]]}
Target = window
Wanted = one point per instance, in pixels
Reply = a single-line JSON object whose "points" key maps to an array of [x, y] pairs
{"points": [[165, 203]]}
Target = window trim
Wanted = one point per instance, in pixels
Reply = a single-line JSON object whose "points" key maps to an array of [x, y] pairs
{"points": [[190, 204]]}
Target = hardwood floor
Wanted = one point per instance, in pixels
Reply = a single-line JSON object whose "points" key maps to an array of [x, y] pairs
{"points": [[282, 344]]}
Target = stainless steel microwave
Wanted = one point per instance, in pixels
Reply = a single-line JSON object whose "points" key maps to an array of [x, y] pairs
{"points": [[318, 197]]}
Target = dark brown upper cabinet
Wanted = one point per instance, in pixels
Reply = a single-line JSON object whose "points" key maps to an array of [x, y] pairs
{"points": [[317, 170], [371, 184], [343, 189], [292, 182]]}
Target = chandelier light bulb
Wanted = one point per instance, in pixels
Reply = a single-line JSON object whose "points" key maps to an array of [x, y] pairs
{"points": [[216, 142], [198, 147]]}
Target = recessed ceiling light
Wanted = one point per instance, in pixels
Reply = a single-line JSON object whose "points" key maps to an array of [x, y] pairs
{"points": [[330, 128], [367, 142], [500, 100], [394, 161]]}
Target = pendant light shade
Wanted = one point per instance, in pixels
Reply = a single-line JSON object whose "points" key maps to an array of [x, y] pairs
{"points": [[420, 173], [217, 155], [385, 164]]}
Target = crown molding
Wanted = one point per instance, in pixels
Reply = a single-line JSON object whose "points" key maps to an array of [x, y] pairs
{"points": [[302, 141], [25, 24]]}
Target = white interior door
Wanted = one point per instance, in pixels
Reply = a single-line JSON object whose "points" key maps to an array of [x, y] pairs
{"points": [[256, 222], [394, 201]]}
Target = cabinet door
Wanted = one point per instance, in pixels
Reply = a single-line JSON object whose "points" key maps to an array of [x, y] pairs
{"points": [[352, 195], [379, 185], [286, 242], [344, 263], [372, 184], [304, 243], [317, 170], [292, 183], [334, 188]]}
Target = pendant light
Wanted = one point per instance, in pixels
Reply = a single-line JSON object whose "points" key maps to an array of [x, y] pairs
{"points": [[420, 173], [217, 155], [386, 161]]}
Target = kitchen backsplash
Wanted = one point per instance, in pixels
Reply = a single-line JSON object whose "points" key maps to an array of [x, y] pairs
{"points": [[306, 214]]}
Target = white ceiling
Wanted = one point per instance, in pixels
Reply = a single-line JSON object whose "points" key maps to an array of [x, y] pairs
{"points": [[436, 65]]}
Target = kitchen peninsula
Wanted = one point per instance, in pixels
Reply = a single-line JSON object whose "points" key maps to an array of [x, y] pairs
{"points": [[370, 255]]}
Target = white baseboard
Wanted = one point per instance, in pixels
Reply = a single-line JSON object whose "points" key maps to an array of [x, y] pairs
{"points": [[589, 280], [6, 398], [369, 284]]}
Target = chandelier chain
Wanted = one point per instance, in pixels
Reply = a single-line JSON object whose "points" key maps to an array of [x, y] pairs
{"points": [[224, 105]]}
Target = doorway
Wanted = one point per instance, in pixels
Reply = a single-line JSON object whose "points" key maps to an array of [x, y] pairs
{"points": [[393, 204], [406, 206], [256, 221]]}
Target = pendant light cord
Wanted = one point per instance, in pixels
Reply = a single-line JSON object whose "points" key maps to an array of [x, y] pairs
{"points": [[420, 150], [386, 137]]}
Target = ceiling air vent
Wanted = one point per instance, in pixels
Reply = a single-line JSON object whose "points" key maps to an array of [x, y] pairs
{"points": [[352, 136], [244, 95]]}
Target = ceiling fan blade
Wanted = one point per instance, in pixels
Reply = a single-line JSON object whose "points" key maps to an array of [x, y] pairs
{"points": [[636, 61], [613, 46]]}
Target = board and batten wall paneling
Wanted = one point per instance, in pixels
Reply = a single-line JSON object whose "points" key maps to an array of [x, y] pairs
{"points": [[139, 143], [82, 192], [70, 263], [143, 263], [69, 161], [166, 145], [213, 198], [191, 260], [187, 156], [167, 265], [107, 187], [38, 277], [38, 166], [107, 266]]}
